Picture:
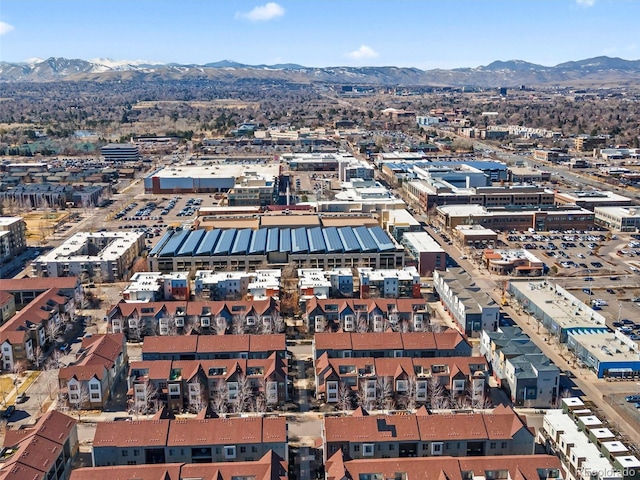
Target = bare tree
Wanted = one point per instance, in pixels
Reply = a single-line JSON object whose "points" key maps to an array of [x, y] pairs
{"points": [[385, 393], [197, 400], [145, 398], [366, 396], [410, 397], [79, 400], [344, 397], [52, 329], [244, 394], [363, 323], [265, 326], [220, 398], [279, 324], [238, 324], [220, 325], [17, 370], [53, 362], [438, 397]]}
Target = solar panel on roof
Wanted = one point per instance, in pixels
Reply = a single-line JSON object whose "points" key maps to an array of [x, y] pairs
{"points": [[348, 239], [258, 242], [174, 243], [332, 239], [364, 239], [382, 240], [208, 242], [241, 244], [191, 243], [161, 243], [299, 242], [273, 240], [316, 240], [225, 242], [285, 240]]}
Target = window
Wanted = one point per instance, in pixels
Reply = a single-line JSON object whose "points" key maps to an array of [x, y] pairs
{"points": [[503, 445], [402, 385], [243, 449], [95, 386], [125, 453], [492, 445], [229, 451], [356, 448], [174, 390], [367, 450], [436, 448], [136, 452], [95, 396], [392, 447]]}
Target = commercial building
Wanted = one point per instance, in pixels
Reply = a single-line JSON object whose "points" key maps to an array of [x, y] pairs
{"points": [[361, 436], [45, 450], [521, 369], [475, 236], [194, 440], [607, 354], [92, 256], [543, 218], [528, 175], [512, 261], [209, 177], [12, 237], [472, 309], [427, 253], [120, 152], [620, 219], [247, 249], [559, 311], [398, 222], [592, 198]]}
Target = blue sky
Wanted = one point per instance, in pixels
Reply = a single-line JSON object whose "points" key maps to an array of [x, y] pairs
{"points": [[419, 33]]}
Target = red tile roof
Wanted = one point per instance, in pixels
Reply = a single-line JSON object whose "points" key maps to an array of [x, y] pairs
{"points": [[149, 433], [39, 283]]}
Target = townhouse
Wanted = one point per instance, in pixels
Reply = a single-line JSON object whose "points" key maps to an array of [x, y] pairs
{"points": [[44, 451], [209, 347], [101, 363], [140, 319], [366, 315], [409, 381], [25, 290], [191, 384], [269, 466], [449, 343], [195, 440], [521, 369], [359, 436], [28, 332], [507, 467]]}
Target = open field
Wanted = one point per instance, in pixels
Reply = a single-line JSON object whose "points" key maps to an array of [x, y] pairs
{"points": [[224, 102], [41, 224]]}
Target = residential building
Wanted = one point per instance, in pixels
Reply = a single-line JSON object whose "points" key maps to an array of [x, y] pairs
{"points": [[194, 440], [408, 380], [210, 347], [427, 253], [44, 451], [12, 237], [525, 467], [25, 336], [365, 315], [189, 384], [7, 306], [521, 369], [269, 466], [313, 282], [142, 319], [512, 262], [90, 381], [253, 189], [362, 436], [389, 283], [25, 290], [236, 285], [144, 287], [449, 343], [472, 309], [97, 256]]}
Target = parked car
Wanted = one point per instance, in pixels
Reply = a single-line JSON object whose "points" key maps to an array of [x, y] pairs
{"points": [[12, 408], [632, 398], [22, 398]]}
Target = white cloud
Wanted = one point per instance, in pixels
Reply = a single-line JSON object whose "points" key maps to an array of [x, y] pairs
{"points": [[363, 53], [5, 28], [263, 13], [586, 3]]}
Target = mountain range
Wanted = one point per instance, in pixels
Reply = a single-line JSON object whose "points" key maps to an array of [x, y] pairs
{"points": [[593, 71]]}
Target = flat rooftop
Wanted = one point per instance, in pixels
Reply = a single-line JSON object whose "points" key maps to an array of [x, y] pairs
{"points": [[83, 246], [234, 170], [594, 196], [474, 230], [605, 347], [623, 212], [422, 242]]}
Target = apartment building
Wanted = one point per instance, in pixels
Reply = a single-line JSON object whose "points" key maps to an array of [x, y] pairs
{"points": [[257, 285], [365, 315], [189, 384], [45, 450], [269, 466], [449, 343], [12, 237], [210, 347], [90, 381], [194, 440], [472, 309], [521, 369], [361, 436], [25, 290], [407, 380], [145, 319]]}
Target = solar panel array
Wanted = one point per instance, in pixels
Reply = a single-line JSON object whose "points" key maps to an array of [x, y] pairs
{"points": [[186, 243]]}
